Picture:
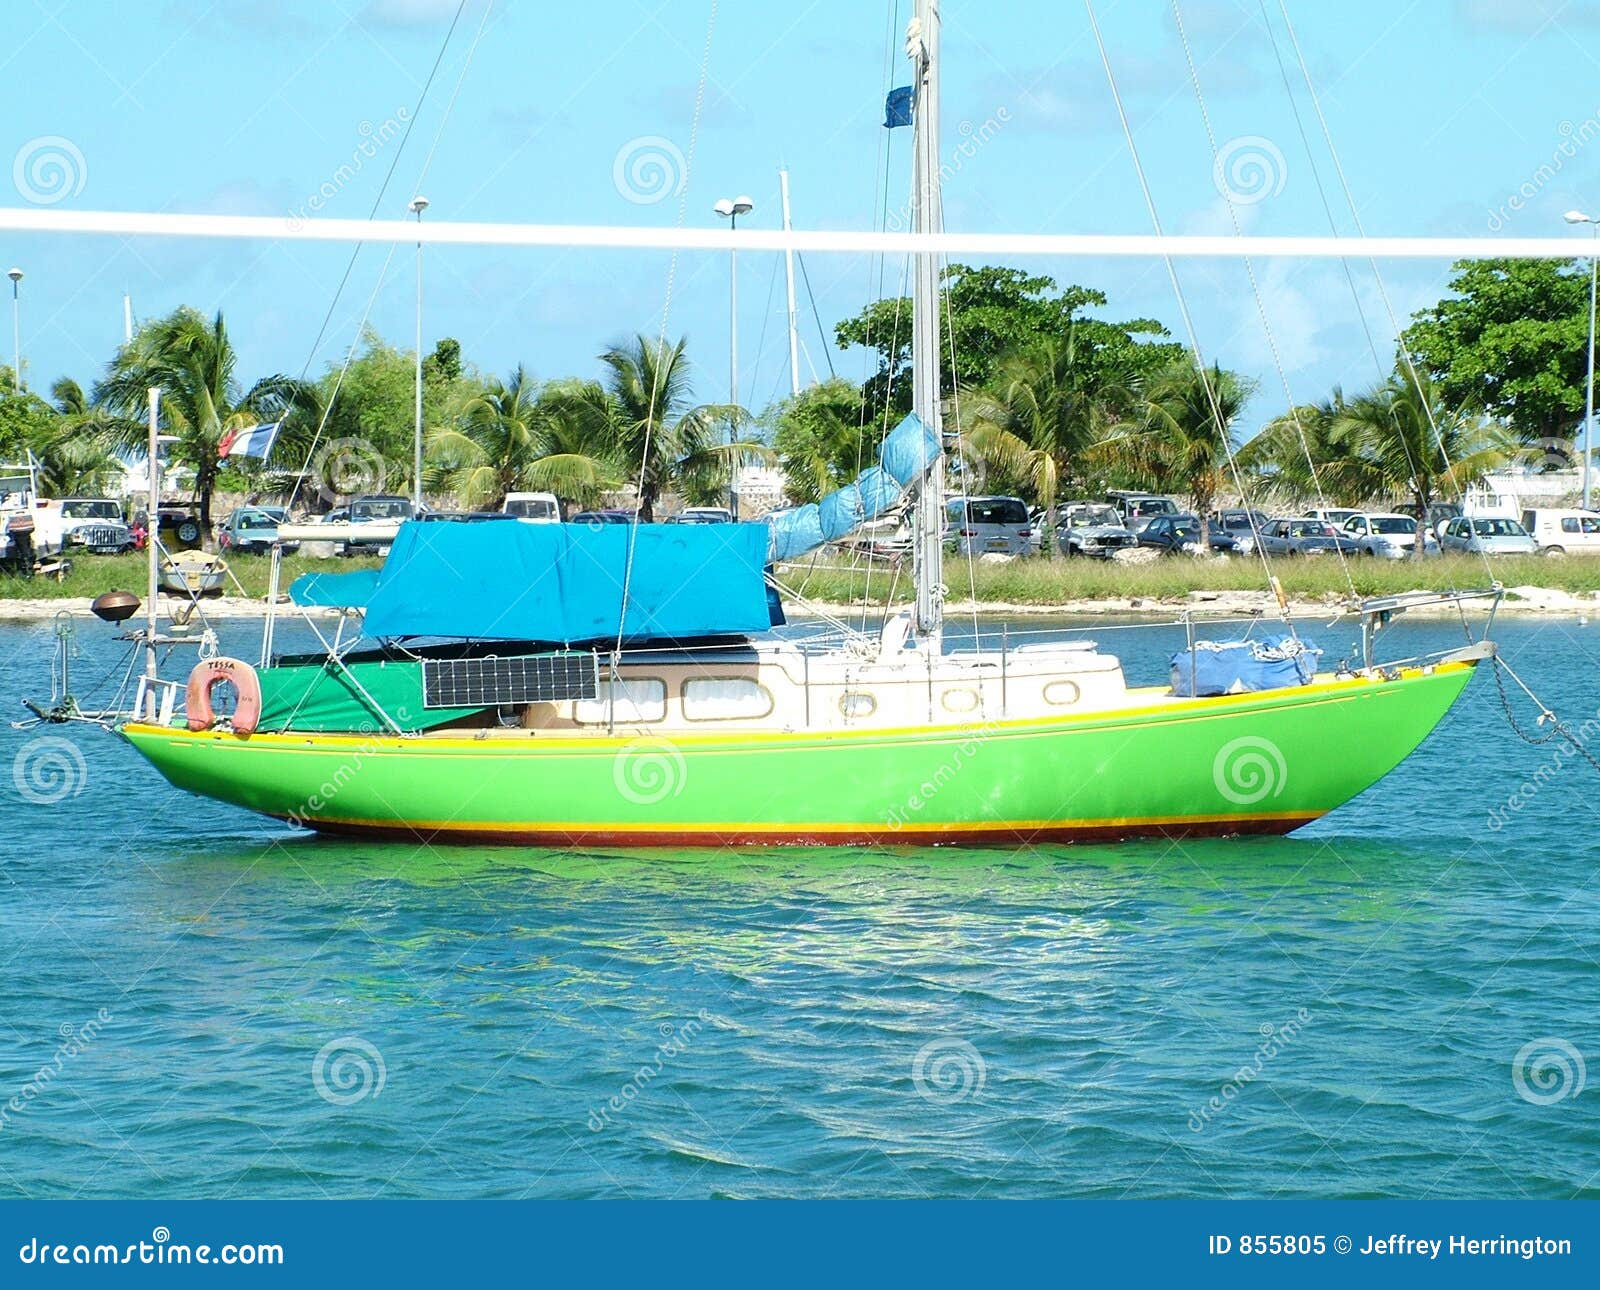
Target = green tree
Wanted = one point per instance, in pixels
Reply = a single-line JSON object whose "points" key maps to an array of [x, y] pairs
{"points": [[822, 438], [511, 435], [1181, 433], [990, 312], [193, 361], [1512, 341]]}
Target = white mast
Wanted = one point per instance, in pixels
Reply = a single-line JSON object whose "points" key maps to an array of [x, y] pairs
{"points": [[922, 47], [788, 258]]}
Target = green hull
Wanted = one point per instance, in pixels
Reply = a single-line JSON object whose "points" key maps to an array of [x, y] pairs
{"points": [[1256, 763]]}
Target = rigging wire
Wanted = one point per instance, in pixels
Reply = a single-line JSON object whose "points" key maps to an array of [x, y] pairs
{"points": [[1177, 289], [1377, 275], [1255, 291], [355, 252], [651, 411]]}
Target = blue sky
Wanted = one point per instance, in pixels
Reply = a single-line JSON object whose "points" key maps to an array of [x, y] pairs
{"points": [[1441, 110]]}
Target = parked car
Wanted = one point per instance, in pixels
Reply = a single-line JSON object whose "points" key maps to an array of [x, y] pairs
{"points": [[87, 523], [1173, 533], [378, 509], [1559, 531], [1438, 514], [177, 528], [1221, 539], [1092, 529], [1338, 516], [1241, 525], [1303, 537], [702, 515], [1387, 535], [1133, 506], [535, 508], [984, 525], [1487, 535], [602, 517], [251, 531]]}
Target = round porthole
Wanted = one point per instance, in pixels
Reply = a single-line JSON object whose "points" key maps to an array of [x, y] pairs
{"points": [[857, 703], [962, 700], [1062, 694]]}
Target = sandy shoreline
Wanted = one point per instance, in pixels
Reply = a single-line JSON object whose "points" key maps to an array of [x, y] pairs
{"points": [[1209, 604]]}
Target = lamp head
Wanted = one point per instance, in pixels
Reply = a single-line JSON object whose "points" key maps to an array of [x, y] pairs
{"points": [[419, 204], [14, 274], [1578, 217], [742, 205], [724, 207]]}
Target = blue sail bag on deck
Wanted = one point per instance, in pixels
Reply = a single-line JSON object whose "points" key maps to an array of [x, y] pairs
{"points": [[1243, 667]]}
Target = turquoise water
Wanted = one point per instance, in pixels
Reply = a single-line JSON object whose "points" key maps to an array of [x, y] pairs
{"points": [[201, 1004]]}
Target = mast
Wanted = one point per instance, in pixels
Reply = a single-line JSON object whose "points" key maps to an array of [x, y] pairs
{"points": [[922, 47], [788, 259]]}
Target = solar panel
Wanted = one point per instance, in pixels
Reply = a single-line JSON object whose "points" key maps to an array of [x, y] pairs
{"points": [[500, 682]]}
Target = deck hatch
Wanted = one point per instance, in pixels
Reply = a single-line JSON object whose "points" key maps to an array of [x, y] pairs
{"points": [[501, 682]]}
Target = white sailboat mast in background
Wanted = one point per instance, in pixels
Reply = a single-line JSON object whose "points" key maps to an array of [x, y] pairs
{"points": [[922, 47]]}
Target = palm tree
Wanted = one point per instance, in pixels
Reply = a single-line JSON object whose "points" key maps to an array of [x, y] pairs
{"points": [[193, 361], [1407, 440], [515, 435], [654, 433], [75, 456], [1045, 413], [1181, 436]]}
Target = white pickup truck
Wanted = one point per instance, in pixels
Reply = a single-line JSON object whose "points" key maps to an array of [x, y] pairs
{"points": [[533, 508]]}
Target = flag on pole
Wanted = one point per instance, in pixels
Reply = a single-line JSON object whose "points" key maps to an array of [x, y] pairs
{"points": [[897, 107], [249, 441]]}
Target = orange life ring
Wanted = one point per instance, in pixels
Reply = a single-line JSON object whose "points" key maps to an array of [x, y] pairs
{"points": [[246, 686]]}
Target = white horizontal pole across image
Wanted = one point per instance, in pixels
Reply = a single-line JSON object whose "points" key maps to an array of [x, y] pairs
{"points": [[619, 237]]}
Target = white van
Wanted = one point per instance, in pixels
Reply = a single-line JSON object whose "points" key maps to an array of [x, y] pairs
{"points": [[1562, 531], [533, 508]]}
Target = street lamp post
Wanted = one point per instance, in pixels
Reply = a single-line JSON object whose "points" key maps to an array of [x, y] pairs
{"points": [[730, 210], [15, 274], [1578, 217]]}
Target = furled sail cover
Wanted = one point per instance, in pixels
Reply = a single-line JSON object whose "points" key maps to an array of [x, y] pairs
{"points": [[906, 455], [562, 582]]}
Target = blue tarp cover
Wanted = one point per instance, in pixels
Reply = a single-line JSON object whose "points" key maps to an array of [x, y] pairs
{"points": [[1242, 667], [560, 582]]}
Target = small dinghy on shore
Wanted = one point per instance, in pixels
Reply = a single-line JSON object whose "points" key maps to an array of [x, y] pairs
{"points": [[193, 573]]}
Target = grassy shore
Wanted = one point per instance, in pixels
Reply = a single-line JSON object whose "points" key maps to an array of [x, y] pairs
{"points": [[93, 574], [1033, 582], [1038, 582]]}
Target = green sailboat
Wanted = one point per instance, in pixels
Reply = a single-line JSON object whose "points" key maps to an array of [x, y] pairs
{"points": [[554, 685]]}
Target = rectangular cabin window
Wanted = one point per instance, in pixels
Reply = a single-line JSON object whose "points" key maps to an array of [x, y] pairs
{"points": [[725, 698], [637, 699]]}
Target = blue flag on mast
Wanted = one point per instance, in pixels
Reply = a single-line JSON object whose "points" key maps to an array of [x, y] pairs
{"points": [[897, 107]]}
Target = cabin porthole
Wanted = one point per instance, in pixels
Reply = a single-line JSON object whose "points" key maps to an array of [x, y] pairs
{"points": [[1062, 694], [960, 700], [857, 703]]}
